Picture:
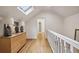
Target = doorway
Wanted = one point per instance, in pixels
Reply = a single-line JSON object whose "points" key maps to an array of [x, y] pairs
{"points": [[41, 25]]}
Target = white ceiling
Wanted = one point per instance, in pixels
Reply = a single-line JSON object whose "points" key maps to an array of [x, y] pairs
{"points": [[12, 11], [66, 11]]}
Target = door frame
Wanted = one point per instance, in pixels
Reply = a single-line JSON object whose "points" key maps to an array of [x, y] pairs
{"points": [[42, 21]]}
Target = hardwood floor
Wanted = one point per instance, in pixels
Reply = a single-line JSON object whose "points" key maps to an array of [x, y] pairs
{"points": [[39, 45]]}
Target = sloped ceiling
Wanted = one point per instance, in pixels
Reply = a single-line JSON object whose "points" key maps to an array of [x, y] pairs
{"points": [[12, 11], [66, 11]]}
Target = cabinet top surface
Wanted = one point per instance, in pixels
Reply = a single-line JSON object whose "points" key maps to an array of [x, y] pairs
{"points": [[13, 35]]}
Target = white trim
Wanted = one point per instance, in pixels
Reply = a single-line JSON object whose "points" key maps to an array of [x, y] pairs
{"points": [[67, 40]]}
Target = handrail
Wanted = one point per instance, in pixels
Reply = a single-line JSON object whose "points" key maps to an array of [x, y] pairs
{"points": [[66, 39]]}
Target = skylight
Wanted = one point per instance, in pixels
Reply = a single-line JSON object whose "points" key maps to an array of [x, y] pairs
{"points": [[26, 9]]}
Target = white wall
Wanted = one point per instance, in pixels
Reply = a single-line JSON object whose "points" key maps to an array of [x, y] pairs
{"points": [[2, 22], [31, 28], [1, 28], [6, 20], [70, 24], [10, 21], [52, 21]]}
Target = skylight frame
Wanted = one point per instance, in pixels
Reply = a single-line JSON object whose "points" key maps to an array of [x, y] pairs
{"points": [[28, 10]]}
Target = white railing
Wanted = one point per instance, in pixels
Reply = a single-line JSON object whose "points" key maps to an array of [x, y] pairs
{"points": [[62, 44]]}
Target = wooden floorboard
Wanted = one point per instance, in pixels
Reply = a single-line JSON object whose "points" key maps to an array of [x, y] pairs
{"points": [[37, 46], [40, 46]]}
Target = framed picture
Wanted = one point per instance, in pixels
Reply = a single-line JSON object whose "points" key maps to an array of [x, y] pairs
{"points": [[16, 23], [76, 36]]}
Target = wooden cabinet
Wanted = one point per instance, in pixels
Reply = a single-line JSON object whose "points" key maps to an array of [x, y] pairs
{"points": [[12, 44]]}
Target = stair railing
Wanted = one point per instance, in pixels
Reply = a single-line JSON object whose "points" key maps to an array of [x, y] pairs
{"points": [[61, 44]]}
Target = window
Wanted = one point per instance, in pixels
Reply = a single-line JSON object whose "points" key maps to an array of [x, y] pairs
{"points": [[25, 9]]}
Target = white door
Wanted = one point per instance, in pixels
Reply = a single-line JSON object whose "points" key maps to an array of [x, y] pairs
{"points": [[41, 25]]}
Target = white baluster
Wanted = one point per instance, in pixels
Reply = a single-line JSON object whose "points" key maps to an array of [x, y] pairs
{"points": [[71, 49], [65, 49], [61, 45], [58, 44]]}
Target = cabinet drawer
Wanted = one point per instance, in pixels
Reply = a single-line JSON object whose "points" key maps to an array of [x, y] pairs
{"points": [[17, 43]]}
